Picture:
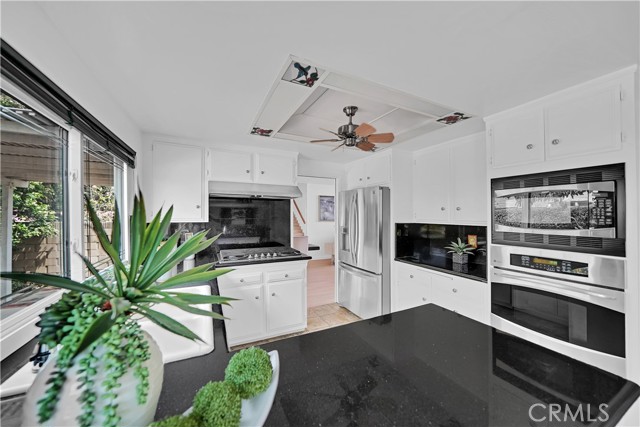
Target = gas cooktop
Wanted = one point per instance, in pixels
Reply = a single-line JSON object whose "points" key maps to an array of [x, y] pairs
{"points": [[257, 255]]}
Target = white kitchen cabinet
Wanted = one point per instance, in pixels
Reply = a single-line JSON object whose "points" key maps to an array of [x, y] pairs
{"points": [[246, 316], [179, 179], [275, 170], [264, 168], [287, 307], [431, 185], [272, 300], [586, 124], [413, 286], [232, 166], [464, 296], [518, 139], [374, 170], [450, 183]]}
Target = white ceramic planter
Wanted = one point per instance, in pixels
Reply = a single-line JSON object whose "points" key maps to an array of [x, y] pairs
{"points": [[68, 407]]}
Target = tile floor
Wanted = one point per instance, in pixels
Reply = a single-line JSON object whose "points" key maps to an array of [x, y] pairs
{"points": [[318, 318]]}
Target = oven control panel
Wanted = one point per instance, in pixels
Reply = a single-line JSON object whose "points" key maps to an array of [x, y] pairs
{"points": [[551, 265]]}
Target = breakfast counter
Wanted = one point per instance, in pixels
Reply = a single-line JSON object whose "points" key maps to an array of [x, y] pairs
{"points": [[423, 366]]}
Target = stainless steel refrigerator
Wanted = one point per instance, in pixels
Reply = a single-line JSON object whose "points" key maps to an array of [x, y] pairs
{"points": [[364, 251]]}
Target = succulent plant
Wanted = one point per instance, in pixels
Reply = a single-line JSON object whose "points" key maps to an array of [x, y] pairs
{"points": [[460, 248], [250, 371], [217, 404], [177, 421]]}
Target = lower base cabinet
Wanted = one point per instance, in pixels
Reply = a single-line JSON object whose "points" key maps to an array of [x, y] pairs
{"points": [[416, 286], [271, 301]]}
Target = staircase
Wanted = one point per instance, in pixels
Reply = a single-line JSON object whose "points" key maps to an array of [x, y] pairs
{"points": [[297, 229]]}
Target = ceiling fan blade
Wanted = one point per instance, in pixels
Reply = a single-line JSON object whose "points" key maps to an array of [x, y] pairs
{"points": [[381, 137], [339, 146], [326, 140], [364, 129], [330, 131], [366, 146]]}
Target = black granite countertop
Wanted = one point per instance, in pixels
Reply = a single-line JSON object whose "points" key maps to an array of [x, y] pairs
{"points": [[212, 258], [423, 366], [471, 270]]}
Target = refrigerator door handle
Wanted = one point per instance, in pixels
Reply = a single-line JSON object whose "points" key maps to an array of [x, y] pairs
{"points": [[357, 272], [357, 201], [352, 225]]}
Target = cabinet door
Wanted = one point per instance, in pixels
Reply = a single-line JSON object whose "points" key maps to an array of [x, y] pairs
{"points": [[586, 124], [469, 181], [246, 317], [179, 181], [355, 174], [286, 306], [413, 287], [463, 296], [233, 166], [377, 170], [517, 139], [431, 185], [275, 170]]}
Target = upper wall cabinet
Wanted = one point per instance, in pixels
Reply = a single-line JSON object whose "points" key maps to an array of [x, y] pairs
{"points": [[241, 166], [374, 170], [450, 183], [179, 175], [587, 121]]}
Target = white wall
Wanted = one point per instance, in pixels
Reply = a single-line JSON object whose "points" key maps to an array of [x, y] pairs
{"points": [[320, 232], [34, 36]]}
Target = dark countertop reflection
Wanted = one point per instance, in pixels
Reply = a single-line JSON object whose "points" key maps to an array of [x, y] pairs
{"points": [[423, 366], [469, 271]]}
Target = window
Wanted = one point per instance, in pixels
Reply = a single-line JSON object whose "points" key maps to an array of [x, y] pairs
{"points": [[47, 136], [102, 179], [33, 169]]}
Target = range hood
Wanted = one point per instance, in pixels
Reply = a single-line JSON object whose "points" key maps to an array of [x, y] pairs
{"points": [[252, 190]]}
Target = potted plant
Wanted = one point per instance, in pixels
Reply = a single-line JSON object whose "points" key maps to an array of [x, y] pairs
{"points": [[106, 370], [460, 251]]}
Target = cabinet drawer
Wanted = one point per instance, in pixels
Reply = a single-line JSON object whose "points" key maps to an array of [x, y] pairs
{"points": [[237, 279], [278, 276], [460, 295]]}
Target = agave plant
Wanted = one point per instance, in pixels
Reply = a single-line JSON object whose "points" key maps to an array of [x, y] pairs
{"points": [[460, 248], [104, 309]]}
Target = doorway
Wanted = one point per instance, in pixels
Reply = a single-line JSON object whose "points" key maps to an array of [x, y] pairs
{"points": [[314, 231]]}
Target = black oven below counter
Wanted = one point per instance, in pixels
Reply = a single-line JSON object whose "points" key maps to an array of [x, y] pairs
{"points": [[471, 270]]}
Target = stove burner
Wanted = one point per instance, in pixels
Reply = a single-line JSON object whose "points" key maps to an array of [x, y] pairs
{"points": [[251, 255]]}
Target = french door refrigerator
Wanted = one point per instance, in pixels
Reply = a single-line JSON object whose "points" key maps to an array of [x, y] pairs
{"points": [[364, 251]]}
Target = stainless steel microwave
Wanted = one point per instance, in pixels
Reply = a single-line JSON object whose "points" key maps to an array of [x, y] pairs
{"points": [[580, 210]]}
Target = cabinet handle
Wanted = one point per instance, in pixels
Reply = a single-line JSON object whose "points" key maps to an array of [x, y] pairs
{"points": [[273, 294], [368, 177], [454, 290], [247, 171], [257, 297], [442, 208], [458, 208], [261, 172], [241, 280], [360, 179], [555, 142], [286, 275], [424, 298], [197, 206], [411, 276], [529, 146]]}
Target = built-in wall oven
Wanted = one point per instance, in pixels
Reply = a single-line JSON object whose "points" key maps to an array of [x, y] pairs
{"points": [[571, 302], [579, 210]]}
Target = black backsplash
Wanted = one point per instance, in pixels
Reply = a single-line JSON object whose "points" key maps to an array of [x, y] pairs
{"points": [[424, 243], [245, 221]]}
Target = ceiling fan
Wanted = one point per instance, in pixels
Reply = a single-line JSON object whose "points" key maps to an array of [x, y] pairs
{"points": [[361, 136]]}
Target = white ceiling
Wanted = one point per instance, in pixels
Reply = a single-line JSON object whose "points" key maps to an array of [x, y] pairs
{"points": [[203, 69]]}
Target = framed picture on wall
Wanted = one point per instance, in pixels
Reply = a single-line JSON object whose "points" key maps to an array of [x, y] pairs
{"points": [[326, 211]]}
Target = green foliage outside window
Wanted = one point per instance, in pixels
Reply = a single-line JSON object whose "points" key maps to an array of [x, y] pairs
{"points": [[35, 211]]}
